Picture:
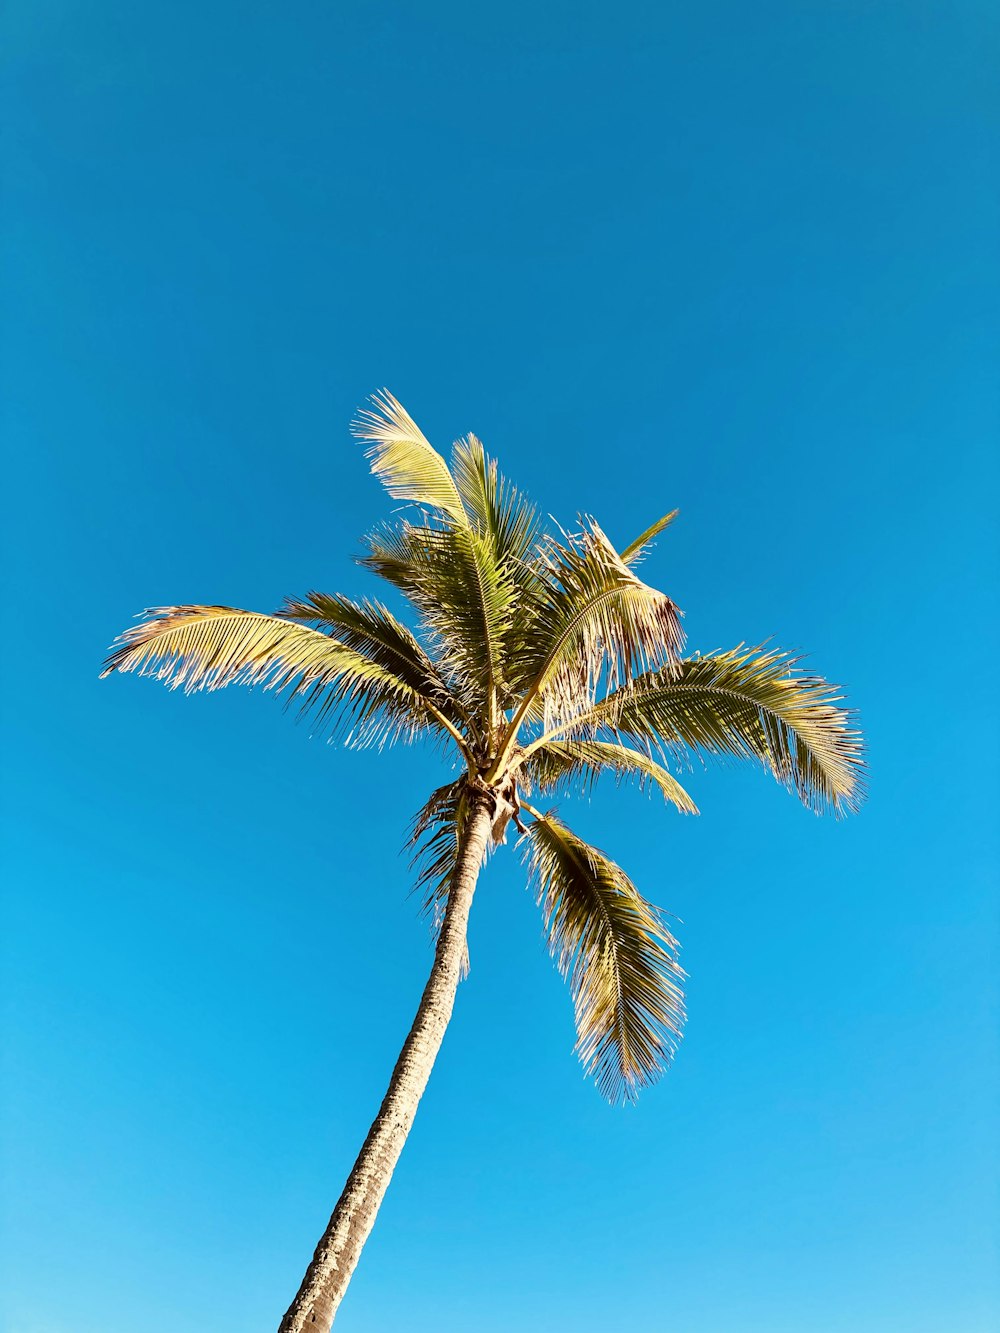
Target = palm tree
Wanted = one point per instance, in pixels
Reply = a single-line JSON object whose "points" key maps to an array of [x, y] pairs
{"points": [[543, 661]]}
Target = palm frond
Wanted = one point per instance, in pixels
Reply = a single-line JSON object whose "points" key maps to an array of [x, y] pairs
{"points": [[620, 962], [463, 595], [496, 509], [508, 525], [597, 623], [435, 839], [558, 763], [403, 459], [635, 549], [748, 704], [372, 630], [396, 552], [499, 511], [210, 647]]}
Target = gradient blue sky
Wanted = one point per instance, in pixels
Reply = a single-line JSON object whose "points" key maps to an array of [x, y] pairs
{"points": [[734, 258]]}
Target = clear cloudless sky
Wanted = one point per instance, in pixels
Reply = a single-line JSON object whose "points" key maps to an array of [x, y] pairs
{"points": [[739, 259]]}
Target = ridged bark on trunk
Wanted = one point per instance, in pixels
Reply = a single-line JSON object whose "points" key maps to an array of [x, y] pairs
{"points": [[337, 1253]]}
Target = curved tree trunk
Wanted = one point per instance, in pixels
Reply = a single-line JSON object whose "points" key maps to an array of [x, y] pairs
{"points": [[338, 1251]]}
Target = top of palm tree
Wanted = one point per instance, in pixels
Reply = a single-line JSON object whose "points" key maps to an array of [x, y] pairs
{"points": [[542, 660]]}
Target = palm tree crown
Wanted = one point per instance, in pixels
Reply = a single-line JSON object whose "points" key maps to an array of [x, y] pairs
{"points": [[542, 660]]}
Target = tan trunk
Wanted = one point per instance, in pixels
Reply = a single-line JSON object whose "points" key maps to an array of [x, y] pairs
{"points": [[337, 1253]]}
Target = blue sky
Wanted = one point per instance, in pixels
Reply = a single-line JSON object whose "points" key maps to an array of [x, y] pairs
{"points": [[736, 259]]}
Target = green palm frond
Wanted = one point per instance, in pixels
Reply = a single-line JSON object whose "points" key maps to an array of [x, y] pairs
{"points": [[559, 762], [508, 524], [595, 623], [463, 596], [372, 630], [635, 549], [210, 647], [435, 839], [615, 953], [403, 459], [496, 509], [748, 704], [396, 552]]}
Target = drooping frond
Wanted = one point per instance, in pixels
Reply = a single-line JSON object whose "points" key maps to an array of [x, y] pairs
{"points": [[372, 630], [749, 704], [614, 951], [435, 839], [635, 549], [402, 458], [209, 647], [596, 621], [557, 762]]}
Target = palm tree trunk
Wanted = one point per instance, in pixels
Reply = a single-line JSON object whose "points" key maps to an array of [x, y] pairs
{"points": [[337, 1253]]}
